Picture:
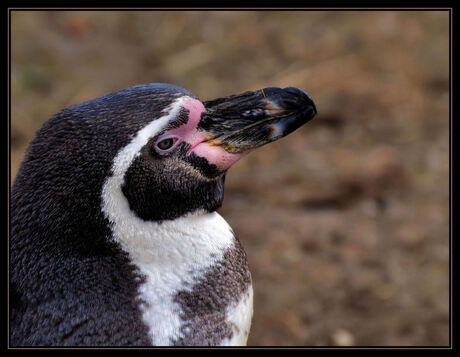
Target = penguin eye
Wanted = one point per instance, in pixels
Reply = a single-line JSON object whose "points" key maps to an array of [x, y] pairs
{"points": [[166, 144]]}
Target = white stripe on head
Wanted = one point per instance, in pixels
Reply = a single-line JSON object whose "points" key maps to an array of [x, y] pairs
{"points": [[127, 155], [172, 254]]}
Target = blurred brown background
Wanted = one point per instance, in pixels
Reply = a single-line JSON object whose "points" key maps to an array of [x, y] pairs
{"points": [[346, 221]]}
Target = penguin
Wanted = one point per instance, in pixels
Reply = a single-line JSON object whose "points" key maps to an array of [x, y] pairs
{"points": [[114, 235]]}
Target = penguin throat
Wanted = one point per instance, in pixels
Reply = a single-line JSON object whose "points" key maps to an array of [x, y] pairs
{"points": [[160, 197]]}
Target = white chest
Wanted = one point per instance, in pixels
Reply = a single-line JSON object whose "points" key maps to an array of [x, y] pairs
{"points": [[185, 262]]}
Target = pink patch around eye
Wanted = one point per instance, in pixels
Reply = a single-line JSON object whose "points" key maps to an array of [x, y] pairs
{"points": [[195, 108], [188, 131]]}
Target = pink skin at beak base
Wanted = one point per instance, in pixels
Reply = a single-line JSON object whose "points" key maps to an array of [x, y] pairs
{"points": [[216, 155], [197, 139]]}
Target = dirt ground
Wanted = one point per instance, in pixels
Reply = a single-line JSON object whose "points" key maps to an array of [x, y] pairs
{"points": [[346, 221]]}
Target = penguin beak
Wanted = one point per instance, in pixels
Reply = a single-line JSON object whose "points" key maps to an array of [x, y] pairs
{"points": [[229, 128], [240, 123]]}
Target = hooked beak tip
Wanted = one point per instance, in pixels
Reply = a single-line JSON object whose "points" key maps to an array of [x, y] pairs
{"points": [[289, 99]]}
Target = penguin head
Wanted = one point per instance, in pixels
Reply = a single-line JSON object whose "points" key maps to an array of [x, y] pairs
{"points": [[160, 175], [153, 150], [175, 164]]}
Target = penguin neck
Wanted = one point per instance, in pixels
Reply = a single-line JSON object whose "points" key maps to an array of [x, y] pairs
{"points": [[171, 256], [174, 256]]}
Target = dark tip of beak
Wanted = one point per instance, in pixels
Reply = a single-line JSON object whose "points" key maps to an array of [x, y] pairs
{"points": [[291, 99], [297, 105], [302, 97]]}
